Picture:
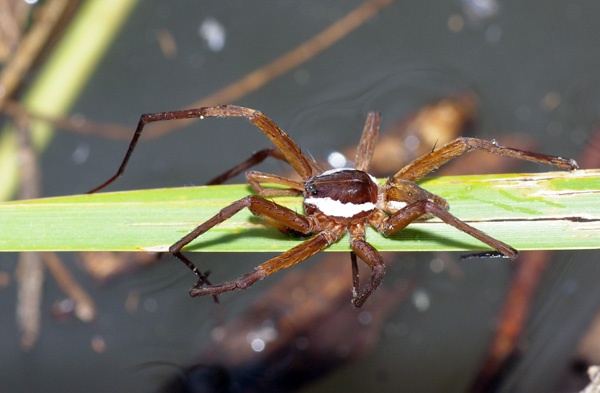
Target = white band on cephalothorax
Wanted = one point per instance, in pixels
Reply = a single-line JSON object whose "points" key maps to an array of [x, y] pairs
{"points": [[334, 208]]}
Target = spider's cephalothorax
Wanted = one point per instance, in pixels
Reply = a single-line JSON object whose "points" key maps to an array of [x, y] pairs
{"points": [[336, 201]]}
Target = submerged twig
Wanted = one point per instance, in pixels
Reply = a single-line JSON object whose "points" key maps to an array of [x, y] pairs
{"points": [[30, 272], [85, 308]]}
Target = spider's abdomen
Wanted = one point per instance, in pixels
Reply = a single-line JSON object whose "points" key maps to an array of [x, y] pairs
{"points": [[344, 193]]}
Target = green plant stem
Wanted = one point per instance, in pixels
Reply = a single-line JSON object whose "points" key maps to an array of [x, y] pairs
{"points": [[555, 210]]}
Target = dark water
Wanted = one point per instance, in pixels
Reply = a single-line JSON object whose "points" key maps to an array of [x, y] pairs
{"points": [[535, 66]]}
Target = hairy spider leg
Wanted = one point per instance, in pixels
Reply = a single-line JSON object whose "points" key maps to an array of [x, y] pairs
{"points": [[355, 275], [260, 207], [366, 146], [256, 178], [363, 154], [400, 185], [461, 145], [413, 211], [285, 260], [289, 150], [255, 159], [371, 257]]}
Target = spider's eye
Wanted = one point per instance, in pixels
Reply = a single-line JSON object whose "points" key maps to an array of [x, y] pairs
{"points": [[311, 189]]}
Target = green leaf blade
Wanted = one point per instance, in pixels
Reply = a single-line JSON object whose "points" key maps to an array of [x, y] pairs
{"points": [[555, 210]]}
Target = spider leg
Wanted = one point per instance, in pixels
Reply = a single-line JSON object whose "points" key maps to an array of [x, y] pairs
{"points": [[289, 150], [372, 258], [287, 220], [408, 192], [255, 159], [285, 260], [365, 148], [355, 274], [256, 178], [415, 210], [433, 160]]}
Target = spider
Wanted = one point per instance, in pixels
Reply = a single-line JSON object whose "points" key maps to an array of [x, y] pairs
{"points": [[335, 201]]}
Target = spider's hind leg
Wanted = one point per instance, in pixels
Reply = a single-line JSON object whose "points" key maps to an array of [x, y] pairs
{"points": [[283, 261], [459, 146], [272, 212], [413, 211]]}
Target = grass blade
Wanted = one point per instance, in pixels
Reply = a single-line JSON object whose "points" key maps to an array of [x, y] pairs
{"points": [[554, 210]]}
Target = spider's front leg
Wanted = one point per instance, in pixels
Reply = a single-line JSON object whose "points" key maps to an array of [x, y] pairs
{"points": [[286, 219], [285, 148]]}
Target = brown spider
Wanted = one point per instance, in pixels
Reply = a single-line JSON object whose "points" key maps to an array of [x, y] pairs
{"points": [[336, 201]]}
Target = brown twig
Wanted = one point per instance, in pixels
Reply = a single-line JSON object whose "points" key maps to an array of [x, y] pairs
{"points": [[14, 15], [85, 308], [31, 46], [30, 278], [232, 92], [80, 126], [30, 273], [106, 266], [300, 54]]}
